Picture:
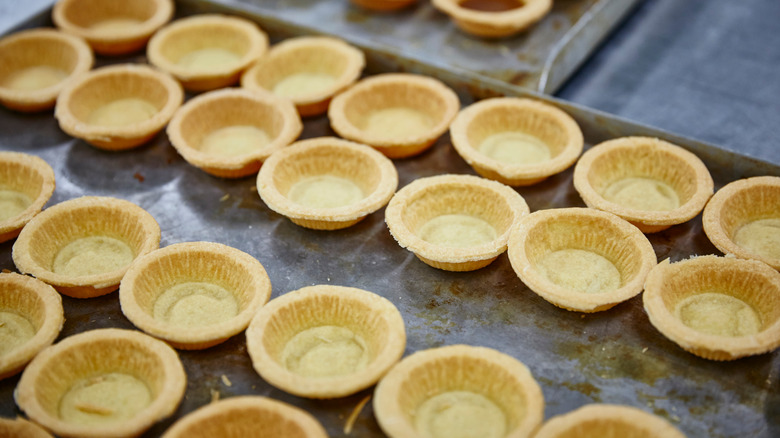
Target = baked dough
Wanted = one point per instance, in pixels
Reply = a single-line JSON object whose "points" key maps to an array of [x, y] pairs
{"points": [[604, 420], [494, 19], [26, 184]]}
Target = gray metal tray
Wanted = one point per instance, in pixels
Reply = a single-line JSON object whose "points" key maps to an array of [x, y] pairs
{"points": [[611, 357]]}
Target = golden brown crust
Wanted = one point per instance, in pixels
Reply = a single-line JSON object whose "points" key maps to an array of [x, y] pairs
{"points": [[323, 55], [41, 305], [219, 109], [57, 226], [495, 24], [368, 316], [36, 48], [500, 378], [21, 428], [141, 19], [599, 420], [30, 175], [152, 275], [559, 132], [50, 376], [428, 198], [368, 169], [234, 34], [91, 91], [737, 204], [547, 231], [752, 282], [426, 97], [243, 416], [644, 157], [384, 5]]}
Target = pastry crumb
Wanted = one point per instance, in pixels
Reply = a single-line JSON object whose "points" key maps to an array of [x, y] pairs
{"points": [[139, 177], [226, 381], [225, 197], [214, 395], [353, 416]]}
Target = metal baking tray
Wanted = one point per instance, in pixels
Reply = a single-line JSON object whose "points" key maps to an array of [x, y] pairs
{"points": [[614, 356]]}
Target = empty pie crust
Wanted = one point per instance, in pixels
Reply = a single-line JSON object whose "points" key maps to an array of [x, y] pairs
{"points": [[26, 185], [102, 383], [516, 141], [443, 391], [35, 65], [118, 107], [327, 183], [207, 51], [194, 295], [84, 246], [384, 5], [496, 18], [31, 317], [743, 219], [21, 428], [649, 182], [229, 133], [247, 416], [399, 114], [603, 420], [307, 70], [112, 28], [325, 341], [580, 259], [454, 222], [718, 308]]}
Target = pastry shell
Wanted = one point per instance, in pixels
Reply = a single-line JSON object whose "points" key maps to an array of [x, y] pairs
{"points": [[222, 109], [21, 428], [90, 355], [41, 306], [502, 379], [426, 199], [610, 238], [27, 175], [601, 420], [36, 49], [742, 203], [423, 102], [152, 275], [384, 5], [112, 28], [644, 157], [370, 171], [495, 24], [754, 285], [247, 416], [367, 316], [96, 91], [36, 249], [241, 38], [330, 57], [558, 132]]}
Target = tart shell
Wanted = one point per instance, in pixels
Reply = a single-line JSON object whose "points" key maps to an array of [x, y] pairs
{"points": [[91, 91], [367, 315], [79, 17], [50, 376], [737, 204], [754, 283], [426, 198], [624, 157], [41, 305], [384, 5], [247, 416], [372, 171], [600, 420], [427, 96], [155, 273], [21, 428], [557, 129], [40, 47], [323, 55], [495, 24], [604, 234], [500, 378], [33, 177], [39, 242]]}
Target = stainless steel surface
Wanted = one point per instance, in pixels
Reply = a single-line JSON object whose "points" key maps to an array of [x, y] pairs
{"points": [[613, 356]]}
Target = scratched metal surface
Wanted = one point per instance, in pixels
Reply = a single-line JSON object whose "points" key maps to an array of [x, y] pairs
{"points": [[611, 357]]}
